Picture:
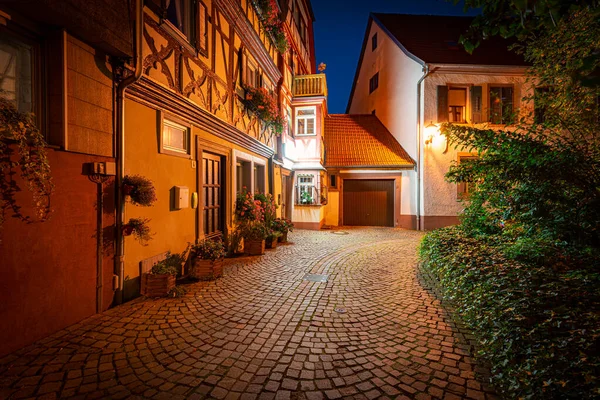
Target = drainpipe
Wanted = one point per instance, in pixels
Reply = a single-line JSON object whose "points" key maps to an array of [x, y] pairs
{"points": [[419, 136], [120, 146]]}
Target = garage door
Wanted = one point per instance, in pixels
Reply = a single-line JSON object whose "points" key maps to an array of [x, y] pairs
{"points": [[369, 202]]}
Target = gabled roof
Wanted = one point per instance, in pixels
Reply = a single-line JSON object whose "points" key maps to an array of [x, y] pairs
{"points": [[434, 39], [361, 141]]}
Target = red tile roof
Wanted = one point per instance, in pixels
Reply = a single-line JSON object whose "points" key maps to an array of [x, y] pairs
{"points": [[361, 141], [434, 39]]}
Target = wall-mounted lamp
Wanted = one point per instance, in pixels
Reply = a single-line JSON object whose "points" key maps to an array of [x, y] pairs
{"points": [[430, 128]]}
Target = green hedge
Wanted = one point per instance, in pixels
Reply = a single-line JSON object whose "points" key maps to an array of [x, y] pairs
{"points": [[538, 326]]}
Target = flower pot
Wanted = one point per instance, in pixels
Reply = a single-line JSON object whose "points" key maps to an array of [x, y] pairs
{"points": [[127, 230], [154, 285], [206, 269], [271, 242], [282, 238], [254, 247]]}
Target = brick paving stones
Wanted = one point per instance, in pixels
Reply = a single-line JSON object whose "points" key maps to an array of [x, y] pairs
{"points": [[264, 332]]}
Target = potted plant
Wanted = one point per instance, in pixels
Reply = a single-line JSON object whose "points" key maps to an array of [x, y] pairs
{"points": [[254, 233], [263, 104], [161, 279], [207, 260], [138, 227], [272, 238], [283, 226], [306, 198], [140, 190]]}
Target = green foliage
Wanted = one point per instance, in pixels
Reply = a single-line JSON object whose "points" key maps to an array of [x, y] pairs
{"points": [[177, 291], [283, 225], [538, 327], [209, 250], [32, 161], [140, 190], [171, 264]]}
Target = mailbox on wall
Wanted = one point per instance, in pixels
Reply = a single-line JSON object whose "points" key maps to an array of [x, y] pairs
{"points": [[182, 197]]}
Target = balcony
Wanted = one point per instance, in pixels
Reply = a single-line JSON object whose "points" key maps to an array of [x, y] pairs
{"points": [[309, 85], [309, 195]]}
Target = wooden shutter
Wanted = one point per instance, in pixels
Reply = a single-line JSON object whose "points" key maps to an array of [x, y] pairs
{"points": [[202, 41], [442, 96], [476, 104]]}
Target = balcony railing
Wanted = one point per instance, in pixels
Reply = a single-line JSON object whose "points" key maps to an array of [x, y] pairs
{"points": [[310, 85], [306, 195]]}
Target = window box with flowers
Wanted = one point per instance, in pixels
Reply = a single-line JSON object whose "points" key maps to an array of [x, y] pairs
{"points": [[263, 104], [268, 13]]}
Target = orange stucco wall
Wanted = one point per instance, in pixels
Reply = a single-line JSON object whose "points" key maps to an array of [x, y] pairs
{"points": [[48, 269]]}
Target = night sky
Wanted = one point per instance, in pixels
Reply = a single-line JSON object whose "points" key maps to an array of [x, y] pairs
{"points": [[339, 30]]}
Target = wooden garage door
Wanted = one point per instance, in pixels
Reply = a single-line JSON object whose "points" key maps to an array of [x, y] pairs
{"points": [[369, 202]]}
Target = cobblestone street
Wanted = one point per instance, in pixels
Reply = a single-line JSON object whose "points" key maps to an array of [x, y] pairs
{"points": [[263, 331]]}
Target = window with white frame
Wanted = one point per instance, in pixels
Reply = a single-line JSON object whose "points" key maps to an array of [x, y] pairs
{"points": [[305, 193], [175, 138], [16, 73], [305, 121]]}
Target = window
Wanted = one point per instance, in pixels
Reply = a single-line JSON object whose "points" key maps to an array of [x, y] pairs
{"points": [[16, 73], [305, 190], [179, 14], [374, 42], [465, 188], [252, 75], [242, 176], [202, 28], [259, 178], [333, 181], [501, 104], [305, 121], [457, 104], [374, 83], [175, 138]]}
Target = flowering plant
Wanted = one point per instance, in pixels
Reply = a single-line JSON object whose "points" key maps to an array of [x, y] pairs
{"points": [[254, 230], [209, 250], [267, 205], [268, 12], [262, 103], [247, 208], [138, 227], [283, 225]]}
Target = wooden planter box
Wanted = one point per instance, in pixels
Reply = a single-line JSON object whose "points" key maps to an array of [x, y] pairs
{"points": [[206, 269], [271, 243], [282, 238], [254, 247], [157, 285]]}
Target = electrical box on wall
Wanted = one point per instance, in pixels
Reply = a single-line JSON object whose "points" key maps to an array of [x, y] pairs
{"points": [[182, 197]]}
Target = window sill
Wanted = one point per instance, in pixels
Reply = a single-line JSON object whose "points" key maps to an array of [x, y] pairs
{"points": [[309, 205], [299, 135], [175, 153]]}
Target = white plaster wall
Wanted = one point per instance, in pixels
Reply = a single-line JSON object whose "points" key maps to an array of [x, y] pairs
{"points": [[307, 213], [394, 101], [441, 198]]}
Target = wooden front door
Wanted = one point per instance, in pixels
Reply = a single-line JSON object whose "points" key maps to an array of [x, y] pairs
{"points": [[368, 202], [212, 195]]}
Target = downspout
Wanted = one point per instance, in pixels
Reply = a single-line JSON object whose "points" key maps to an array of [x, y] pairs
{"points": [[419, 136], [120, 146]]}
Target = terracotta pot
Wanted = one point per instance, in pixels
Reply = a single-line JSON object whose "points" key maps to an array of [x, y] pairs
{"points": [[254, 247], [154, 285], [206, 269], [127, 230], [282, 238], [271, 242]]}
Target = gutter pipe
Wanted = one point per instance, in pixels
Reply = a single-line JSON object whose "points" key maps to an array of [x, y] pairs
{"points": [[419, 137], [120, 147]]}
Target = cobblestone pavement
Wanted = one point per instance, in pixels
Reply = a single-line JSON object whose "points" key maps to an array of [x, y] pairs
{"points": [[262, 331]]}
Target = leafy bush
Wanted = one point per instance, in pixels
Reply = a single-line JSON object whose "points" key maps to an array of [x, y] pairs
{"points": [[538, 327], [209, 250], [283, 225]]}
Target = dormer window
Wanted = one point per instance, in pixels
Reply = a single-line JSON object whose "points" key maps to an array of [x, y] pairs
{"points": [[305, 121]]}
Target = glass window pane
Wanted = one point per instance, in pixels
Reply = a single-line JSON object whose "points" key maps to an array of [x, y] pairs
{"points": [[310, 129], [16, 73], [306, 112], [301, 128]]}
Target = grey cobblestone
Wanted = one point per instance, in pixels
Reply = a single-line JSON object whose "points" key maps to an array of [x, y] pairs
{"points": [[261, 331]]}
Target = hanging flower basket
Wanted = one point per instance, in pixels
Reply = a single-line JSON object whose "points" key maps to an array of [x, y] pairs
{"points": [[263, 104], [268, 13], [140, 190]]}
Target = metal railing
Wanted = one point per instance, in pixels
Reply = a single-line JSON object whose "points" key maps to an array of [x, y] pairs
{"points": [[306, 195], [310, 85]]}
